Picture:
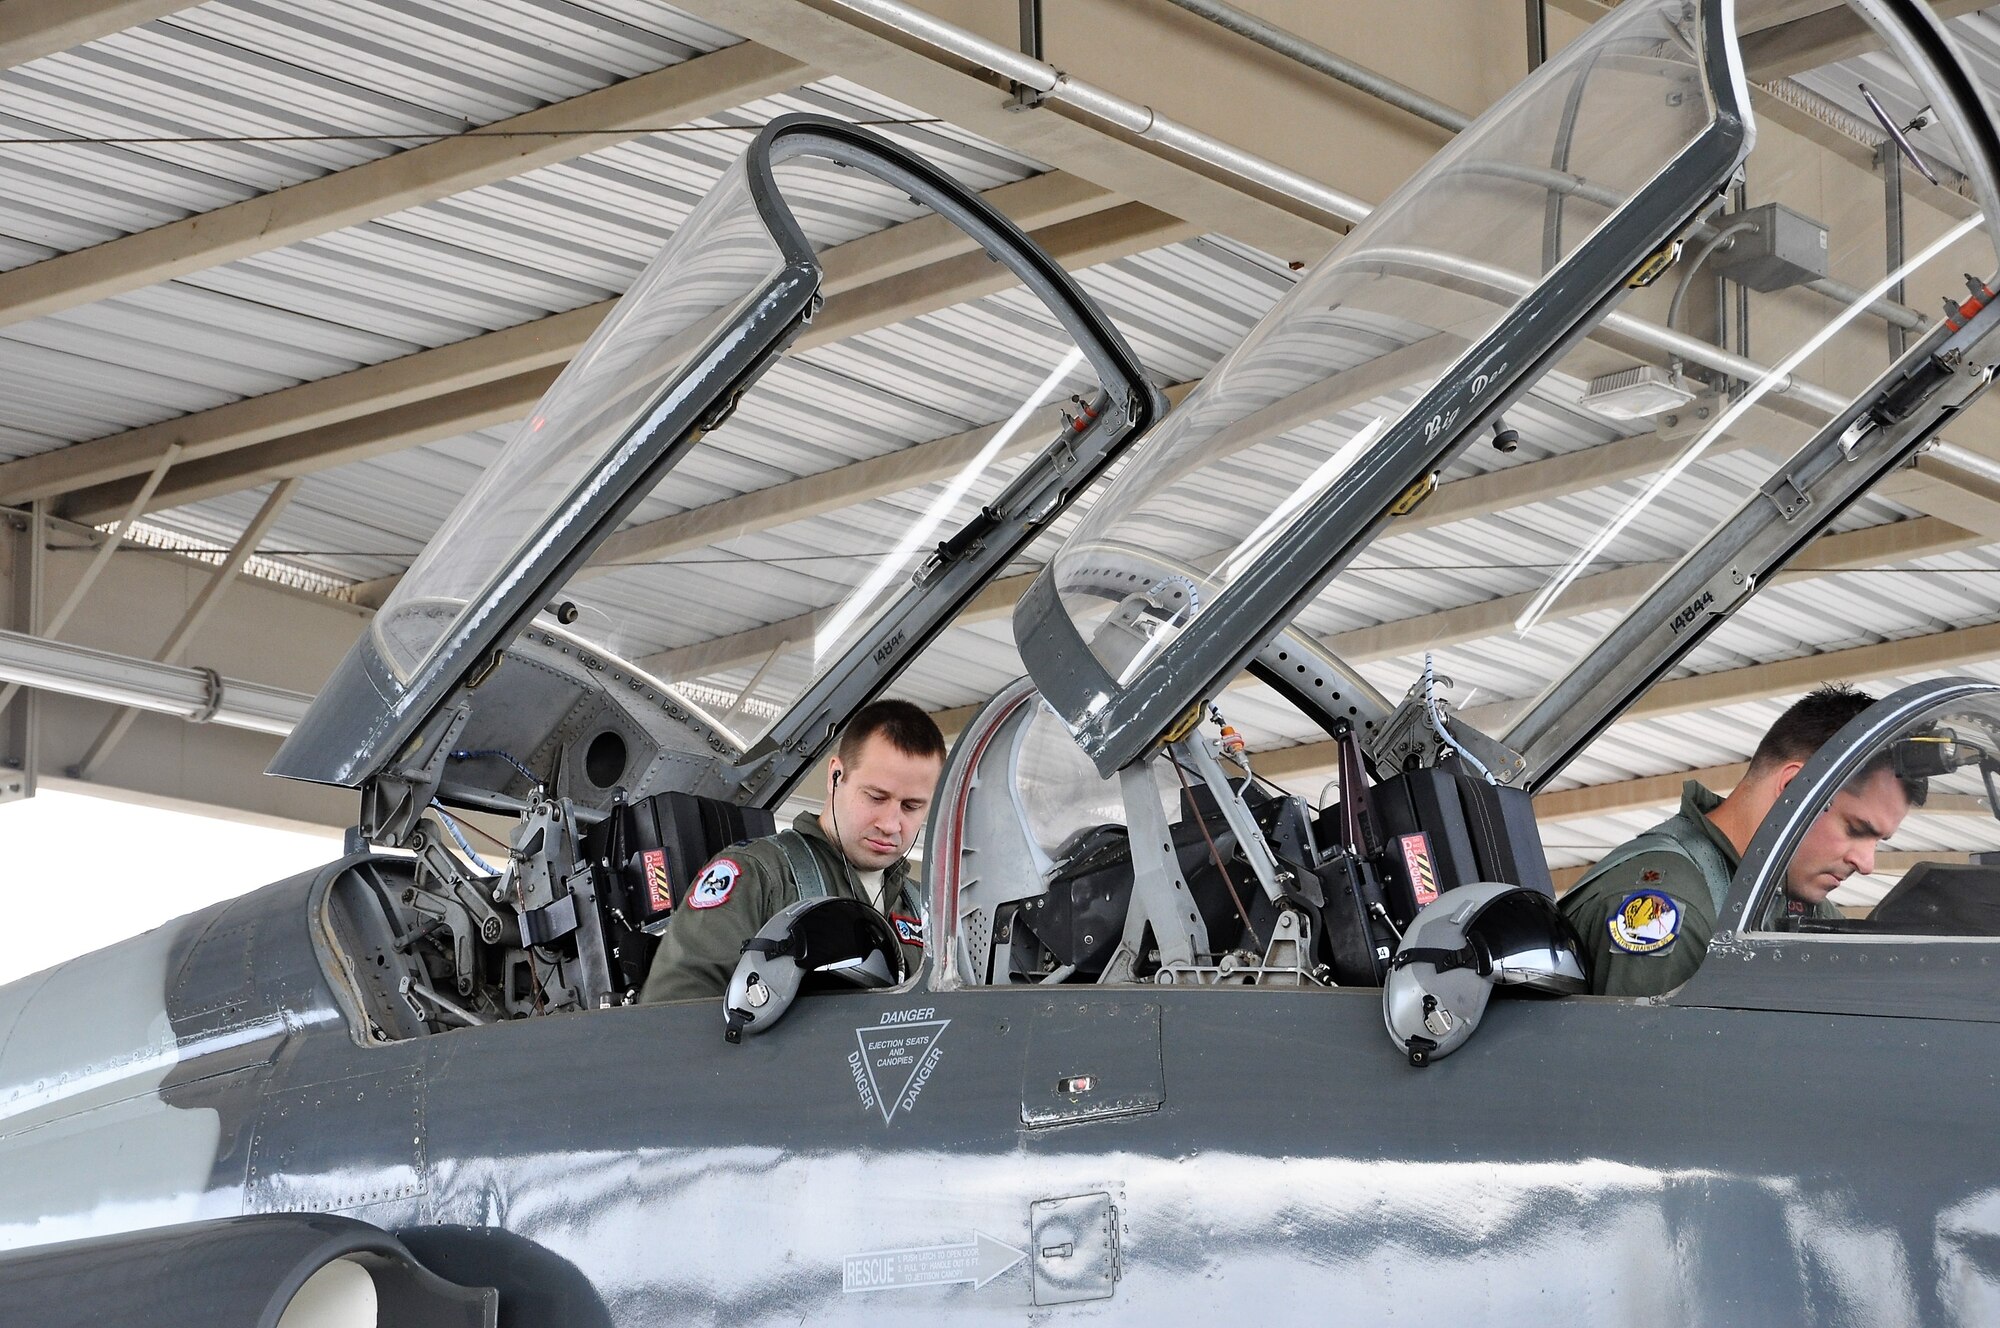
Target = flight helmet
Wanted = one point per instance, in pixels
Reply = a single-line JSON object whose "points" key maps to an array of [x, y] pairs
{"points": [[1462, 945], [827, 943]]}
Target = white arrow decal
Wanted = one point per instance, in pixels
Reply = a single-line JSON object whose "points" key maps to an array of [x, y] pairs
{"points": [[977, 1261]]}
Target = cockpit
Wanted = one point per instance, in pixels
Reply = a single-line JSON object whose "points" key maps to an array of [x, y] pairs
{"points": [[1619, 327], [512, 675]]}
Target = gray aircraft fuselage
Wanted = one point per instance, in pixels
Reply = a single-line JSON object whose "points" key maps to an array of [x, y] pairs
{"points": [[1588, 1161]]}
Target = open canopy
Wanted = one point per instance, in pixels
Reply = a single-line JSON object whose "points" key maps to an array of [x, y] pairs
{"points": [[706, 370], [1522, 264]]}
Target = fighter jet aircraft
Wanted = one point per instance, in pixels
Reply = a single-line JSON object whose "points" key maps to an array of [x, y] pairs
{"points": [[1144, 1069]]}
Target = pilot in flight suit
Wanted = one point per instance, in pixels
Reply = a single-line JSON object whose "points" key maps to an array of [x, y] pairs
{"points": [[743, 887], [1646, 911], [879, 787]]}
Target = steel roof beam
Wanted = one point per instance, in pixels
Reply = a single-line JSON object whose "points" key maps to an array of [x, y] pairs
{"points": [[682, 92], [1870, 547], [1460, 500], [921, 463], [977, 102], [1941, 489], [1083, 242], [1833, 32], [31, 29], [1632, 795], [1660, 791], [828, 491], [1873, 546], [1898, 541], [1936, 652], [722, 653], [532, 348]]}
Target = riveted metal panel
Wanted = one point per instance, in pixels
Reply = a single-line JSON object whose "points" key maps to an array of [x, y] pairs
{"points": [[341, 1145]]}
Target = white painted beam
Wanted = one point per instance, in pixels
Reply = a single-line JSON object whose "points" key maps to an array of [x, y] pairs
{"points": [[976, 101], [1709, 691], [1083, 242], [31, 29], [1826, 34], [423, 396], [686, 91]]}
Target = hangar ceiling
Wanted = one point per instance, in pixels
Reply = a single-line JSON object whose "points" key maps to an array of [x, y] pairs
{"points": [[277, 280]]}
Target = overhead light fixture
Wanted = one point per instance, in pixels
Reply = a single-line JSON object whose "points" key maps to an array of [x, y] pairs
{"points": [[1634, 394]]}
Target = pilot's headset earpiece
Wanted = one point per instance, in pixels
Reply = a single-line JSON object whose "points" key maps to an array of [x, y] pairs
{"points": [[832, 803]]}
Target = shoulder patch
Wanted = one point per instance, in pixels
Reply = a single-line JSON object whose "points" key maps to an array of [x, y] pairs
{"points": [[1646, 922], [909, 930], [715, 883]]}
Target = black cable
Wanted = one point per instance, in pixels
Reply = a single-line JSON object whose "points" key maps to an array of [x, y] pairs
{"points": [[138, 140], [1215, 856]]}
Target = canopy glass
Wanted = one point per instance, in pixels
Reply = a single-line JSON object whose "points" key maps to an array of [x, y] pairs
{"points": [[1632, 433], [739, 433]]}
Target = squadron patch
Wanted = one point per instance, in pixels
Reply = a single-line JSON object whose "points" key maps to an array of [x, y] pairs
{"points": [[1647, 922], [715, 884], [909, 930]]}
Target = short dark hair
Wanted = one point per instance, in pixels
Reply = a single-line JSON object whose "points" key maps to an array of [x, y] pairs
{"points": [[1916, 788], [1808, 725], [908, 729]]}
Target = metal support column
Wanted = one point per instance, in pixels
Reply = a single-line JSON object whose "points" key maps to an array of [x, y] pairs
{"points": [[23, 546], [1890, 162], [1025, 97], [1538, 34], [743, 697], [191, 622], [113, 539]]}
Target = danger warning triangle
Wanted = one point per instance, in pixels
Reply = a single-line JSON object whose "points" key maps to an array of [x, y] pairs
{"points": [[898, 1059]]}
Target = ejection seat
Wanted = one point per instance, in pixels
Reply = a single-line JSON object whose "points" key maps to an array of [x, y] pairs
{"points": [[1033, 880]]}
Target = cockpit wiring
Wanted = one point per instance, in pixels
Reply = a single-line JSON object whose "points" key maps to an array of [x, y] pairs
{"points": [[1434, 714], [458, 837], [1215, 856], [482, 752]]}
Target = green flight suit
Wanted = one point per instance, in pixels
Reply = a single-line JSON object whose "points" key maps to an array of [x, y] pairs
{"points": [[1685, 862], [1647, 911], [738, 891]]}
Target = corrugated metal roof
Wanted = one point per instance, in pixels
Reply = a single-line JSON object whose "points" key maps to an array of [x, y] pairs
{"points": [[338, 81], [541, 243], [577, 232]]}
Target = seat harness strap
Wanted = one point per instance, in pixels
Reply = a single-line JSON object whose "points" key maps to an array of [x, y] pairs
{"points": [[802, 865]]}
